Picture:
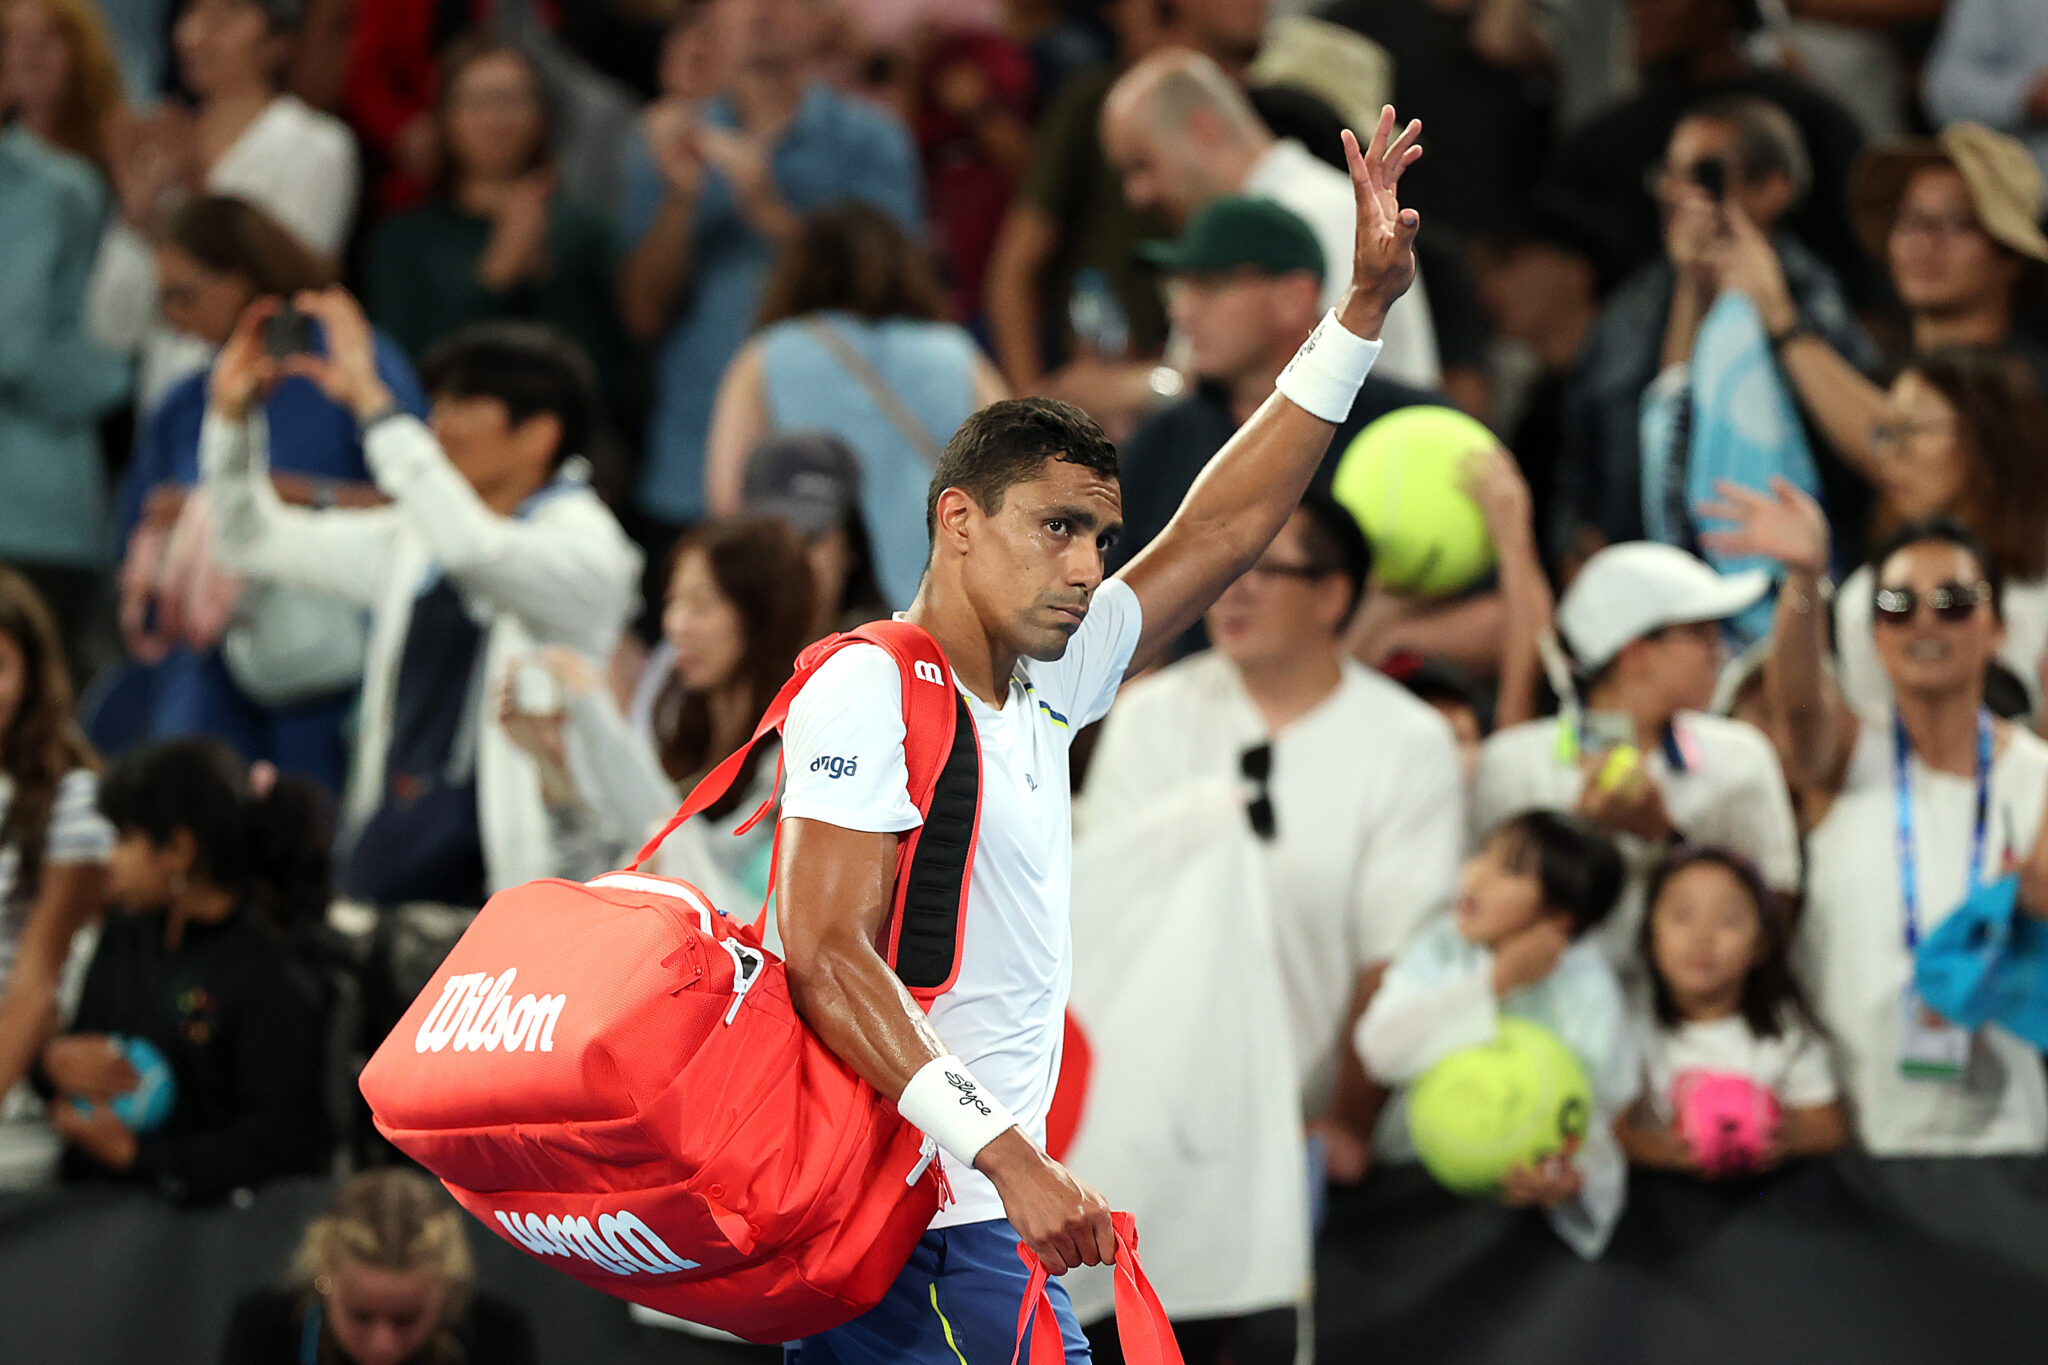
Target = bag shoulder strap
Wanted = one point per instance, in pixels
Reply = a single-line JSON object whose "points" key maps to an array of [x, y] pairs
{"points": [[943, 758], [885, 397]]}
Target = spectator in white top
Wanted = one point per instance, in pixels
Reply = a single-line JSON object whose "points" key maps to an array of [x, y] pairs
{"points": [[493, 544], [1356, 791], [244, 138], [1723, 1010], [1641, 758], [54, 847], [1181, 133], [1930, 798]]}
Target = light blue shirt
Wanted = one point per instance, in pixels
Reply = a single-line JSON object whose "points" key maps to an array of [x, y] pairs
{"points": [[54, 382], [1984, 65], [835, 148], [930, 368]]}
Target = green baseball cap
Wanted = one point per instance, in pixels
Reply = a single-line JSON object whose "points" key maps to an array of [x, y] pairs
{"points": [[1238, 231]]}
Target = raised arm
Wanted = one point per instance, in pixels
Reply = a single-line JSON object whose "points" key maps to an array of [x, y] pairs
{"points": [[1788, 526], [1253, 484]]}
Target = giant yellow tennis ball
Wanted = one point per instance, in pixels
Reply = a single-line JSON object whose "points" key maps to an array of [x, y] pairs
{"points": [[1401, 479], [1479, 1113]]}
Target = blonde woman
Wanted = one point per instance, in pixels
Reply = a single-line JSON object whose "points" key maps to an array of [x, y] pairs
{"points": [[384, 1277]]}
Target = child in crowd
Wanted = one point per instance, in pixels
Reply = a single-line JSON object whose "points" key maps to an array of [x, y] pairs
{"points": [[1517, 944], [209, 868], [1737, 1075]]}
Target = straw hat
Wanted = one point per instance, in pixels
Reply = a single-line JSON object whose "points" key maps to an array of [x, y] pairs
{"points": [[2003, 180]]}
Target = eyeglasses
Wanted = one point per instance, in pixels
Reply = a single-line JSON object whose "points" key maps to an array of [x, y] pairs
{"points": [[1935, 224], [1256, 763], [1890, 438], [1952, 603]]}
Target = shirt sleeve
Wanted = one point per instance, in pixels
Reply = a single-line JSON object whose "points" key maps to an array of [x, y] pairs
{"points": [[1809, 1078], [1420, 1015], [842, 746], [1758, 812], [79, 835], [1410, 863], [1081, 684]]}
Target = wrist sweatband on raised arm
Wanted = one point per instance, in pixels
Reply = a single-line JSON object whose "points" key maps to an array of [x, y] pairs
{"points": [[1325, 373], [946, 1104]]}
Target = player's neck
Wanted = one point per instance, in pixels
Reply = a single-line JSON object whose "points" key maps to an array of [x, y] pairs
{"points": [[982, 665], [1283, 690]]}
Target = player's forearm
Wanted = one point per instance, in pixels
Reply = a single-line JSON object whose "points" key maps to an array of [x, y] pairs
{"points": [[855, 1004]]}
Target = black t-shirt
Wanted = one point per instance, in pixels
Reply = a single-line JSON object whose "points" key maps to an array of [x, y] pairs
{"points": [[271, 1327], [238, 1019]]}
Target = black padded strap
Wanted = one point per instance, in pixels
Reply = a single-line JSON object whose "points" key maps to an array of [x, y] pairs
{"points": [[935, 891]]}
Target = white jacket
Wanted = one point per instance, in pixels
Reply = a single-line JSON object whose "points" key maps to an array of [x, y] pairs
{"points": [[562, 574]]}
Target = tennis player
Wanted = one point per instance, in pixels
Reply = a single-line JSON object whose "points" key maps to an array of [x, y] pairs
{"points": [[1021, 508]]}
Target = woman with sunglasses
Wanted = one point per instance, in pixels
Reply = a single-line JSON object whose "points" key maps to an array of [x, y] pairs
{"points": [[1920, 800], [1964, 435]]}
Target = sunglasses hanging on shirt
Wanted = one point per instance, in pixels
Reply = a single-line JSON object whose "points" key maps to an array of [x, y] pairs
{"points": [[1256, 763], [1951, 602]]}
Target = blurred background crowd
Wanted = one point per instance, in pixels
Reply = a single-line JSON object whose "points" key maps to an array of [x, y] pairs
{"points": [[1717, 530]]}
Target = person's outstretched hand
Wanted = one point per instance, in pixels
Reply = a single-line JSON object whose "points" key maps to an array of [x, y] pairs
{"points": [[1784, 524], [1383, 252]]}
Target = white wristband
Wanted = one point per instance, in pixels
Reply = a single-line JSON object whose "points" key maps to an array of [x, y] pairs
{"points": [[946, 1103], [1325, 373]]}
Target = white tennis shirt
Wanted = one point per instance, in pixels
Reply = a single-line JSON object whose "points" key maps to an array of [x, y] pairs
{"points": [[843, 755]]}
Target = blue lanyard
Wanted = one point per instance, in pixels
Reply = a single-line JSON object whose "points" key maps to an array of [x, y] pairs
{"points": [[1909, 883]]}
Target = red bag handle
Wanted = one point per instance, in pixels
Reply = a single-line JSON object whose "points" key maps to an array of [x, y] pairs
{"points": [[1141, 1322]]}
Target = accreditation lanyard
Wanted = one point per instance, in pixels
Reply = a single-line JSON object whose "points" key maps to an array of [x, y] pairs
{"points": [[1909, 882]]}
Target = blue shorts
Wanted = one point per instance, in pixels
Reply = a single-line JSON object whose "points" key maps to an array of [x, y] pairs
{"points": [[955, 1303]]}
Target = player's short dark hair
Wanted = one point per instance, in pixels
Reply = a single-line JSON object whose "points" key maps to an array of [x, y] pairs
{"points": [[1008, 443], [532, 369], [1335, 543], [1578, 867]]}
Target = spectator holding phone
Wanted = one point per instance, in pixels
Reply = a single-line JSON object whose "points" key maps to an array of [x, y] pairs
{"points": [[241, 138], [493, 544], [1731, 160], [219, 255], [1635, 752]]}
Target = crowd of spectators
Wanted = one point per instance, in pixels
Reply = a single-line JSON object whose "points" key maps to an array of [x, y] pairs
{"points": [[429, 432]]}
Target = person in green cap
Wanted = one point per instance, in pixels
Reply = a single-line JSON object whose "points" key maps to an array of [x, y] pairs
{"points": [[1243, 286]]}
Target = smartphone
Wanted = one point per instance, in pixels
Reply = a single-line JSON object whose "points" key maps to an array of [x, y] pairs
{"points": [[1712, 176], [1606, 731], [535, 691], [288, 333]]}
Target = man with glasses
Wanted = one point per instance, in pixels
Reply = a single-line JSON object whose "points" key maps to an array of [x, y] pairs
{"points": [[1732, 162], [1639, 755], [1351, 786], [1927, 799]]}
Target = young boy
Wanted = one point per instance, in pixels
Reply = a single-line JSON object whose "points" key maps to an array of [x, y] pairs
{"points": [[1516, 944]]}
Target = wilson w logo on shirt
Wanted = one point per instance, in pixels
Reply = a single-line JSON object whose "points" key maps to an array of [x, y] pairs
{"points": [[476, 1013], [620, 1243]]}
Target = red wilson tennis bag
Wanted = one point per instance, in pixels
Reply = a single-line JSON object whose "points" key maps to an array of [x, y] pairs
{"points": [[612, 1076]]}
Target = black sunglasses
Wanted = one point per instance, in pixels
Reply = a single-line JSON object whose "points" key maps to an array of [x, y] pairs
{"points": [[1256, 763], [1951, 602]]}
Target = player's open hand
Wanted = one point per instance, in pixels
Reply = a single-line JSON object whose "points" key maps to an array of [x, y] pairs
{"points": [[1061, 1219], [1383, 254]]}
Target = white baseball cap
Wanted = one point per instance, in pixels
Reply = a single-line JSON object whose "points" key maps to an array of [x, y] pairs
{"points": [[1631, 590]]}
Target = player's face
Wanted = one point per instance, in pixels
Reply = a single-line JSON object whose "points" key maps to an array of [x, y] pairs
{"points": [[1035, 563]]}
